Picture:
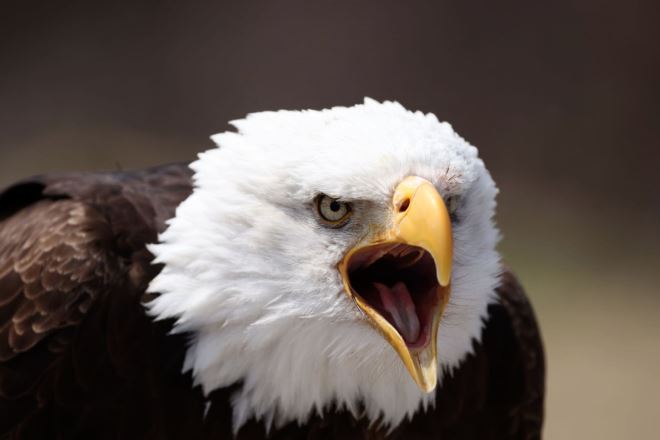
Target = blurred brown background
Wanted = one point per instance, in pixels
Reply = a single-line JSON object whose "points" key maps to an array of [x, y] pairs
{"points": [[561, 98]]}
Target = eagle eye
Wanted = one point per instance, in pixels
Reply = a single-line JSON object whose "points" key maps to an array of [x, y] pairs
{"points": [[332, 212]]}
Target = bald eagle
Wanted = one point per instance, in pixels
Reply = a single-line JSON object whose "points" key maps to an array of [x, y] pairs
{"points": [[320, 274]]}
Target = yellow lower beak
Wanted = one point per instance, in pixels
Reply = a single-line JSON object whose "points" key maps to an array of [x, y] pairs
{"points": [[420, 227]]}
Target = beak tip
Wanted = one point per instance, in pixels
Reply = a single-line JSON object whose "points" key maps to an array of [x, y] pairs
{"points": [[426, 372], [428, 387], [443, 279]]}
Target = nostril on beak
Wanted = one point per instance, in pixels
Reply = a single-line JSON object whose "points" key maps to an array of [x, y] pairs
{"points": [[404, 205]]}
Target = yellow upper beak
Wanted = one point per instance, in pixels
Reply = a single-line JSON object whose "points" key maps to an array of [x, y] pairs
{"points": [[419, 218]]}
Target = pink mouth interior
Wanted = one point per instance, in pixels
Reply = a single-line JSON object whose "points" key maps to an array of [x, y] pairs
{"points": [[399, 282]]}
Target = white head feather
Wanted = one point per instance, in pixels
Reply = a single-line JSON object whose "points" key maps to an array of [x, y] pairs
{"points": [[250, 272]]}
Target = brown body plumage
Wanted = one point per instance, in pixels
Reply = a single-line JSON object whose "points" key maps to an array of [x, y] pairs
{"points": [[79, 358]]}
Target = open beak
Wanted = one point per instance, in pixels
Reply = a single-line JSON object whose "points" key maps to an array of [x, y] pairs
{"points": [[400, 278]]}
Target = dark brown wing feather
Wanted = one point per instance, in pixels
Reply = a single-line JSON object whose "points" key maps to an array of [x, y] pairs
{"points": [[78, 356], [80, 359], [53, 263], [529, 358]]}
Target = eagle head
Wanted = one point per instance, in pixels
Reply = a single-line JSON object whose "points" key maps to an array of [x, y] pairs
{"points": [[343, 257]]}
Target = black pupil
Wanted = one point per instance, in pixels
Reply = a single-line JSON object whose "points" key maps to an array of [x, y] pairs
{"points": [[335, 206]]}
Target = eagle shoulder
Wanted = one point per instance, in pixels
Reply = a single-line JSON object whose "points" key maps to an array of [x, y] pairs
{"points": [[527, 359], [73, 272], [66, 239], [54, 262]]}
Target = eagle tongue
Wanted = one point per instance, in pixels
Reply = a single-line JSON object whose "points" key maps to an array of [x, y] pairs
{"points": [[401, 308]]}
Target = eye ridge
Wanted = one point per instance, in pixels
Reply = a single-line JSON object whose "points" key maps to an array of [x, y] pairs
{"points": [[331, 212]]}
